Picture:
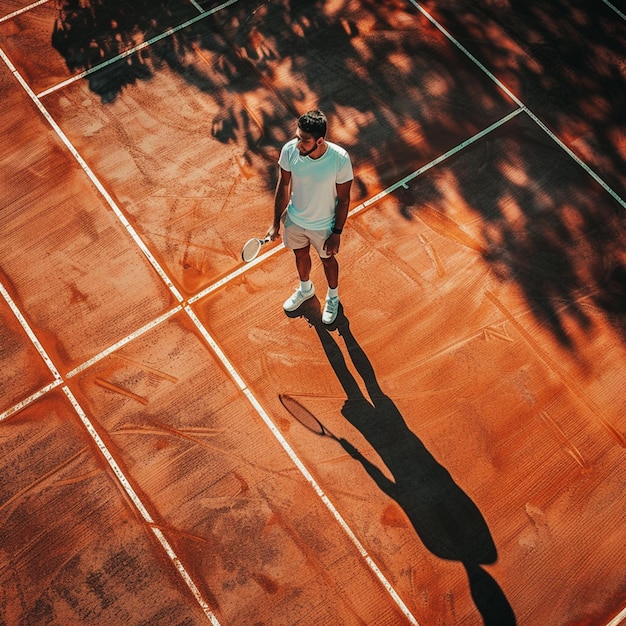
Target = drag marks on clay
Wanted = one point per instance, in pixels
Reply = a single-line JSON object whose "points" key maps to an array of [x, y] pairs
{"points": [[433, 256], [492, 331], [442, 224], [566, 444], [117, 389], [146, 368], [44, 479], [569, 383], [198, 437]]}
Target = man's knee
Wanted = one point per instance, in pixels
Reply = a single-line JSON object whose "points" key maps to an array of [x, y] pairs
{"points": [[302, 253]]}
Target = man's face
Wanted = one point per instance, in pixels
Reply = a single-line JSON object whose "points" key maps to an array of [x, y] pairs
{"points": [[306, 143]]}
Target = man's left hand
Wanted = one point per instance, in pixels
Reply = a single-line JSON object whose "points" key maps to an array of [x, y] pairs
{"points": [[331, 245]]}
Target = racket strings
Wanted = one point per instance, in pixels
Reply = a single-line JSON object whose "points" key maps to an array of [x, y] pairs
{"points": [[251, 249]]}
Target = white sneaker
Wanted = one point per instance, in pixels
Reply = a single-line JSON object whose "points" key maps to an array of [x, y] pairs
{"points": [[299, 296], [330, 310]]}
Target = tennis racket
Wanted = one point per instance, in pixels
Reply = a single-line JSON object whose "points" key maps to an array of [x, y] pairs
{"points": [[305, 417], [252, 247]]}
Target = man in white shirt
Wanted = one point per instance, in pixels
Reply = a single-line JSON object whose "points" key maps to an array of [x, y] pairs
{"points": [[313, 196]]}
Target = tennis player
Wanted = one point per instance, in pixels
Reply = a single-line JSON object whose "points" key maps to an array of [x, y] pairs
{"points": [[313, 197]]}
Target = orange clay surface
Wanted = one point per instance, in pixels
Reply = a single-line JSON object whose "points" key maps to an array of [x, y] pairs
{"points": [[472, 387]]}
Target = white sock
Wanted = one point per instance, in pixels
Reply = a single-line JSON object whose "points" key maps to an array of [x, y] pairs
{"points": [[333, 293], [306, 285]]}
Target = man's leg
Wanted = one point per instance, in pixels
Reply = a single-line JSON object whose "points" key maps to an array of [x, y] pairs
{"points": [[331, 269], [303, 263], [306, 289], [331, 306]]}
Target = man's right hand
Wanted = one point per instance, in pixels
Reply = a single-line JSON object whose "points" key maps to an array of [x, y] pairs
{"points": [[273, 232]]}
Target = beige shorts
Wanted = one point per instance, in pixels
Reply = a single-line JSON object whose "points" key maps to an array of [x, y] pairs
{"points": [[295, 237]]}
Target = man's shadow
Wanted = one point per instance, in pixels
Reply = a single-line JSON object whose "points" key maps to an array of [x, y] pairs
{"points": [[447, 521]]}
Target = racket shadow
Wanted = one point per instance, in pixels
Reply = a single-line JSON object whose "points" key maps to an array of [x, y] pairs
{"points": [[444, 517]]}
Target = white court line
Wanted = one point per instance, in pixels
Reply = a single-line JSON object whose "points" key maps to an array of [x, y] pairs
{"points": [[197, 6], [612, 6], [502, 86], [139, 505], [439, 159], [31, 335], [299, 464], [32, 398], [99, 186], [22, 10], [122, 342], [618, 619], [141, 46], [401, 183], [93, 433]]}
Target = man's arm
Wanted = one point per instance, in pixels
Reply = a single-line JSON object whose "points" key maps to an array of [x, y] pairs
{"points": [[281, 200], [341, 215]]}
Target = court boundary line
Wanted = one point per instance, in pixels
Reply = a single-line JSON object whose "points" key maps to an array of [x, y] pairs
{"points": [[618, 619], [93, 178], [17, 12], [623, 16], [535, 119]]}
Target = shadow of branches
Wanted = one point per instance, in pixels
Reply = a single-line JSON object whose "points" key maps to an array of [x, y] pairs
{"points": [[398, 94]]}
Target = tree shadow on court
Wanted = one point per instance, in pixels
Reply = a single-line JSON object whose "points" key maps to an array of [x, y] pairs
{"points": [[398, 95], [388, 86], [444, 517], [564, 60], [543, 225]]}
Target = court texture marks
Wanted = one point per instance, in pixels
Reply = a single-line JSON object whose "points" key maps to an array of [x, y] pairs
{"points": [[473, 382]]}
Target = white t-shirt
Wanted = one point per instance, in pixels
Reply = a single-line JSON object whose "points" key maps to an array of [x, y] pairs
{"points": [[313, 184]]}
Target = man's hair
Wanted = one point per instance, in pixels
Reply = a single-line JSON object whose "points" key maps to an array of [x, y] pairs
{"points": [[314, 123]]}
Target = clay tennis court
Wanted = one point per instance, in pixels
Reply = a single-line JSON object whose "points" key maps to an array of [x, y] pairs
{"points": [[472, 469]]}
